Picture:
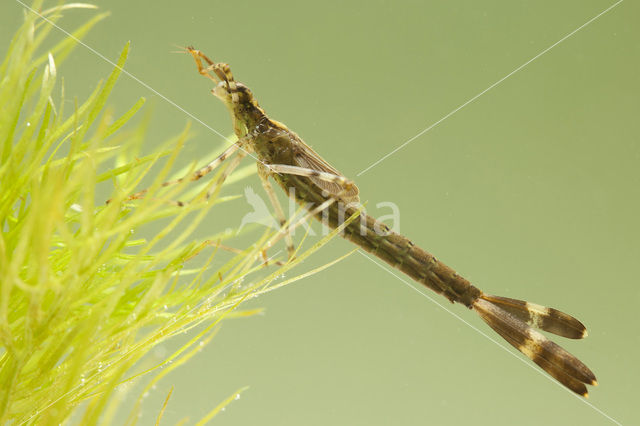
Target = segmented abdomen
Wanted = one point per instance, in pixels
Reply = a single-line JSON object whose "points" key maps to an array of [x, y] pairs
{"points": [[376, 238]]}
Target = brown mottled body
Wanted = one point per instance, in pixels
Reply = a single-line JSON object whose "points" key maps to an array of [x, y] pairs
{"points": [[275, 144], [303, 174]]}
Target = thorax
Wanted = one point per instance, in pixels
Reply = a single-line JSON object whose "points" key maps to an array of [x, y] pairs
{"points": [[273, 143]]}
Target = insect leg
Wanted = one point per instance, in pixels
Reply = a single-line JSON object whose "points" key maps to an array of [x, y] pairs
{"points": [[215, 188], [263, 172], [346, 185], [302, 171], [222, 71], [198, 174], [225, 174]]}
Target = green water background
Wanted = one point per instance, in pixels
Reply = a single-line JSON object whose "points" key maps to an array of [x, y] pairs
{"points": [[530, 191]]}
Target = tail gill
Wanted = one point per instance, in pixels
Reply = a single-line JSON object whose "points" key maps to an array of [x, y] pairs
{"points": [[514, 321]]}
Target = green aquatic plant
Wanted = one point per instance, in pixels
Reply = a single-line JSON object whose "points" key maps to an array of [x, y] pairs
{"points": [[82, 299]]}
